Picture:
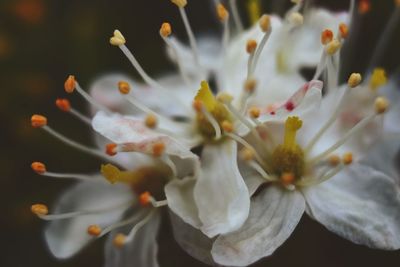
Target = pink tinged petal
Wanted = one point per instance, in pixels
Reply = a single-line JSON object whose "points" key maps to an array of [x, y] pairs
{"points": [[301, 103], [220, 192], [66, 237], [192, 240], [274, 214], [359, 204], [140, 251], [180, 198], [133, 135]]}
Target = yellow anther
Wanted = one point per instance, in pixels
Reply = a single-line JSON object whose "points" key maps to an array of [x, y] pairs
{"points": [[38, 121], [254, 112], [287, 178], [332, 47], [343, 30], [265, 23], [124, 87], [250, 85], [63, 104], [354, 80], [381, 105], [117, 39], [39, 209], [378, 78], [165, 29], [38, 167], [111, 173], [334, 160], [151, 121], [180, 3], [158, 149], [347, 158], [206, 97], [227, 126], [94, 230], [251, 46], [296, 19], [326, 36], [119, 240], [70, 84], [222, 13], [246, 154], [254, 9], [224, 97], [292, 125]]}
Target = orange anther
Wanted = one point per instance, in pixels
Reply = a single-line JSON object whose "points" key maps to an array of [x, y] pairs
{"points": [[165, 29], [119, 240], [287, 178], [39, 209], [250, 85], [70, 84], [222, 12], [145, 198], [180, 3], [364, 6], [381, 105], [334, 160], [124, 87], [246, 154], [111, 149], [38, 167], [251, 46], [347, 158], [326, 36], [158, 149], [63, 104], [344, 30], [265, 23], [38, 121], [227, 126], [254, 112], [198, 105], [94, 230], [151, 121]]}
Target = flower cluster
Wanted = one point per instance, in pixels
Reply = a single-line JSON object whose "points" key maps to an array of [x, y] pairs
{"points": [[238, 145]]}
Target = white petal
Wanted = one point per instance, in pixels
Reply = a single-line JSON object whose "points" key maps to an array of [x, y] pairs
{"points": [[252, 178], [274, 214], [359, 204], [141, 251], [180, 198], [66, 237], [192, 240], [220, 192], [132, 133]]}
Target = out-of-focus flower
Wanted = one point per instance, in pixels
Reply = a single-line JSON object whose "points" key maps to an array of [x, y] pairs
{"points": [[29, 11]]}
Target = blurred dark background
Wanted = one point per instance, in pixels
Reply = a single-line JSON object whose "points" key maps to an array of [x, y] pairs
{"points": [[42, 41]]}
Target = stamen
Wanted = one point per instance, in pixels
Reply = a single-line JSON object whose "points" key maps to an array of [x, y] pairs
{"points": [[251, 47], [212, 121], [250, 85], [151, 121], [38, 121], [296, 19], [71, 85], [381, 105], [265, 25], [117, 39], [343, 30], [347, 158], [223, 16], [40, 169], [94, 230], [334, 160], [139, 225], [287, 178], [353, 81], [324, 177], [144, 199], [254, 112], [257, 167], [64, 105], [119, 240], [122, 223], [364, 6], [244, 143], [326, 36], [158, 149], [246, 154], [111, 149], [39, 209], [236, 16], [124, 87], [332, 47], [378, 79]]}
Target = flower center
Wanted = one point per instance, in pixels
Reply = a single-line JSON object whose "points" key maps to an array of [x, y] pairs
{"points": [[288, 158]]}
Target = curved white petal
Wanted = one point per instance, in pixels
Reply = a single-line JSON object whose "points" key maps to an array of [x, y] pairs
{"points": [[180, 196], [141, 251], [274, 214], [66, 237], [359, 204], [252, 178], [220, 192]]}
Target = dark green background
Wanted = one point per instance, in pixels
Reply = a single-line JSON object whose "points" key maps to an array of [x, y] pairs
{"points": [[42, 41]]}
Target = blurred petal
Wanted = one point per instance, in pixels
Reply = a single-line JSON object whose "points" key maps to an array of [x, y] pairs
{"points": [[274, 214], [220, 192], [66, 237], [359, 204], [141, 251]]}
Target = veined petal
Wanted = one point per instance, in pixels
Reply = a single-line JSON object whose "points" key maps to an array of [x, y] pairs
{"points": [[66, 237], [360, 204], [220, 192], [274, 214], [140, 251], [180, 196]]}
